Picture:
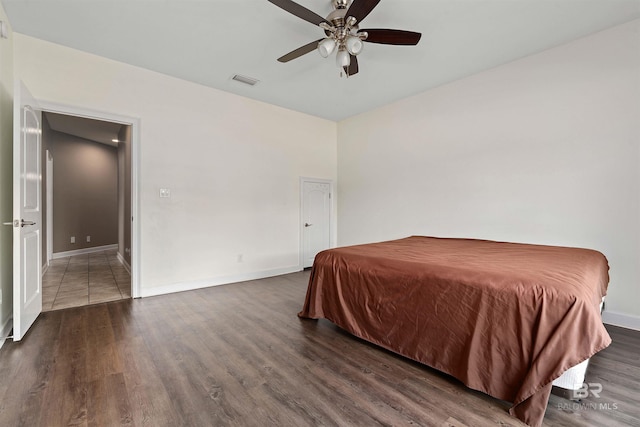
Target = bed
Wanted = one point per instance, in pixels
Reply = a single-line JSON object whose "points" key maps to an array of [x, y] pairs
{"points": [[506, 319]]}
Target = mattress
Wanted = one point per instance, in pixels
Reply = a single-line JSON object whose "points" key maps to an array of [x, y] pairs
{"points": [[572, 378]]}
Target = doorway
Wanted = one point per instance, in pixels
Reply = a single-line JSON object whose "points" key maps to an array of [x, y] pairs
{"points": [[88, 199], [119, 259]]}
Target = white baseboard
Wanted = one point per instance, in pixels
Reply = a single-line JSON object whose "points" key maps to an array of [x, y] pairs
{"points": [[45, 267], [620, 319], [124, 262], [216, 281], [6, 329], [84, 251]]}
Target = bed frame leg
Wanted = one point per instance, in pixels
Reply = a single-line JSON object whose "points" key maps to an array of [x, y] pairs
{"points": [[566, 394]]}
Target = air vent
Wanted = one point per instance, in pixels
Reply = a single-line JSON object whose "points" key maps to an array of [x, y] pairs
{"points": [[246, 80]]}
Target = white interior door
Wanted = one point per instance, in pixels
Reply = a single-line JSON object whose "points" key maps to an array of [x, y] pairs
{"points": [[316, 218], [27, 211]]}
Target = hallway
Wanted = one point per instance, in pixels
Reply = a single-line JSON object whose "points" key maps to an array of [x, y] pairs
{"points": [[85, 279]]}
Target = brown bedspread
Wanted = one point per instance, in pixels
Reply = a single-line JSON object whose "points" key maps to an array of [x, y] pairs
{"points": [[504, 318]]}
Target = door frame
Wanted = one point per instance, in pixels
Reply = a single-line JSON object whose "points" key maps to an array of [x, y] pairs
{"points": [[48, 164], [332, 215], [134, 122]]}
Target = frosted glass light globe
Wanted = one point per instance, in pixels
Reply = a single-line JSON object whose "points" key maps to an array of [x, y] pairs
{"points": [[354, 45], [343, 59], [326, 46]]}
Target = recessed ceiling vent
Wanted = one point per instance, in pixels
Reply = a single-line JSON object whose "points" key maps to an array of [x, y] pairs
{"points": [[244, 79]]}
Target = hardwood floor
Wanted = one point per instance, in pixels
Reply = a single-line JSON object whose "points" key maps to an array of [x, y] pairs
{"points": [[238, 355]]}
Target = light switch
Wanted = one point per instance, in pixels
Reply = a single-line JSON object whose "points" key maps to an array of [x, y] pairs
{"points": [[165, 192]]}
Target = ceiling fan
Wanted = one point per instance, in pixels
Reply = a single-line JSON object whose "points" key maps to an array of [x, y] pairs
{"points": [[342, 31]]}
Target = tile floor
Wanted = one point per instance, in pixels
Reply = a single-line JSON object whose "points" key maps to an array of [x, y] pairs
{"points": [[85, 279]]}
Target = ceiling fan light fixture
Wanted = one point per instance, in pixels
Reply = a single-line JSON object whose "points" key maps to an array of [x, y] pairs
{"points": [[326, 46], [354, 45], [342, 32], [343, 59]]}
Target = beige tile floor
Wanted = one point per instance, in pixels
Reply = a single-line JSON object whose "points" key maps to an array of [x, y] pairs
{"points": [[84, 279]]}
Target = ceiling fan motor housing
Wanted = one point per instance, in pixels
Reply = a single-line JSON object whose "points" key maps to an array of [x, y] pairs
{"points": [[344, 28], [337, 17], [340, 4]]}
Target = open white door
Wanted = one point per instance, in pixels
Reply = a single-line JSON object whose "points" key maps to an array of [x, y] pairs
{"points": [[27, 211]]}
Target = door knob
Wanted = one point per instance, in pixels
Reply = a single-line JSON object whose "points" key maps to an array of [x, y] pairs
{"points": [[306, 224], [23, 223]]}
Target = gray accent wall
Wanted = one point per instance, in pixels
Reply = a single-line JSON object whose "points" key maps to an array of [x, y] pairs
{"points": [[85, 193], [124, 194]]}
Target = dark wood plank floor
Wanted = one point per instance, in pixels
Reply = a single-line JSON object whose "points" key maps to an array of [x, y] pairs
{"points": [[238, 355]]}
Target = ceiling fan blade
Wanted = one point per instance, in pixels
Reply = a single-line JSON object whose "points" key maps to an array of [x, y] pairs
{"points": [[353, 66], [359, 9], [303, 50], [397, 37], [299, 11]]}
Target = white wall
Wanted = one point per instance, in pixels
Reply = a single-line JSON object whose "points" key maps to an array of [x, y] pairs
{"points": [[6, 179], [232, 165], [543, 150]]}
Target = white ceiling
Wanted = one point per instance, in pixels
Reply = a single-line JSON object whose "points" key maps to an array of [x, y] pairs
{"points": [[208, 41], [91, 129]]}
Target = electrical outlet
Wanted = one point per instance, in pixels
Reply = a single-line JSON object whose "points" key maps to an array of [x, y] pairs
{"points": [[73, 239], [88, 238]]}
